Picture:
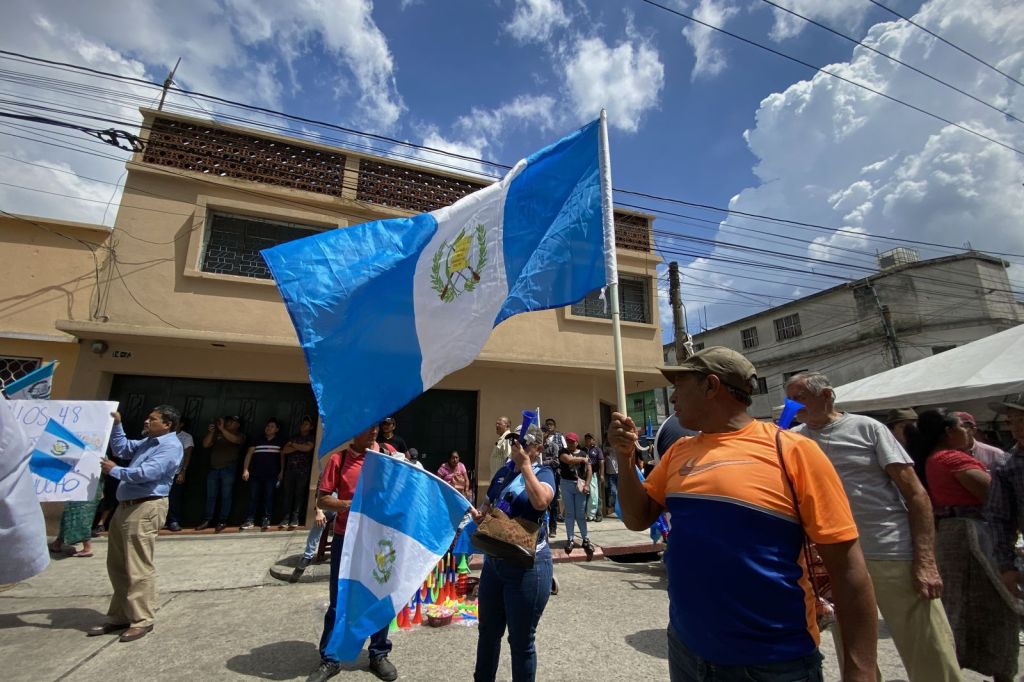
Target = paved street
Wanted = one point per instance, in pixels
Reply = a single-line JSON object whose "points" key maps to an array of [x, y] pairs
{"points": [[223, 616]]}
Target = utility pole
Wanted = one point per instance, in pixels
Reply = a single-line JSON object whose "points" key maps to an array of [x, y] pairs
{"points": [[167, 85], [678, 319], [890, 332]]}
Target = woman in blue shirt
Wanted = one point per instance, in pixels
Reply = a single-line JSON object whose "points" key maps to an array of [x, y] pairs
{"points": [[511, 596]]}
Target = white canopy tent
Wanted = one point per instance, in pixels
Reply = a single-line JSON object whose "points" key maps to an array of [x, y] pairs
{"points": [[988, 368]]}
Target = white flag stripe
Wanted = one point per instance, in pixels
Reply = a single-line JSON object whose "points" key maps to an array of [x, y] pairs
{"points": [[447, 343], [387, 562]]}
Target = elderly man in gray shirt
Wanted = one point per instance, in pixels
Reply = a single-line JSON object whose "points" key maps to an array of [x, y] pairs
{"points": [[894, 518]]}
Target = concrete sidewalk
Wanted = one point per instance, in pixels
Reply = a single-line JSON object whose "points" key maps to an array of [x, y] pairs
{"points": [[222, 616]]}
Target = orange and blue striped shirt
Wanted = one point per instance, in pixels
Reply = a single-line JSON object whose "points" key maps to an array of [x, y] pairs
{"points": [[739, 592]]}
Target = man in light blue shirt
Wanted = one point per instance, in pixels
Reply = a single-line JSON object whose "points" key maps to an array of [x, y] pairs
{"points": [[145, 484]]}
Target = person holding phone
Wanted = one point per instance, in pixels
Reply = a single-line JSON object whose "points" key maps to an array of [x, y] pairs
{"points": [[224, 441], [510, 597]]}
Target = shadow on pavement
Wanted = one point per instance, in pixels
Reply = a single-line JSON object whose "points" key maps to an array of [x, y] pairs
{"points": [[651, 642], [284, 661], [59, 619]]}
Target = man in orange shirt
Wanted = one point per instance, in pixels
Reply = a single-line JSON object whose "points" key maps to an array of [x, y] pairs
{"points": [[739, 594]]}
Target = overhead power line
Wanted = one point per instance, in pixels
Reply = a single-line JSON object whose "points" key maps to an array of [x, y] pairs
{"points": [[73, 67], [947, 42], [835, 75], [773, 253], [718, 243]]}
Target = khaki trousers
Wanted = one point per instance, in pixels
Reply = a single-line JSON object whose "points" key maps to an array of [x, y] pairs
{"points": [[919, 627], [130, 545]]}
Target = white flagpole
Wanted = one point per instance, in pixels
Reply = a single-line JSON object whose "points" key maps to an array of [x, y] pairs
{"points": [[611, 262]]}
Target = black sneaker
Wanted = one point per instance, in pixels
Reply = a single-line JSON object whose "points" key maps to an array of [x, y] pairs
{"points": [[598, 519], [265, 526], [383, 668], [220, 527], [554, 585], [245, 526], [326, 671], [299, 570], [204, 525], [569, 546], [588, 547]]}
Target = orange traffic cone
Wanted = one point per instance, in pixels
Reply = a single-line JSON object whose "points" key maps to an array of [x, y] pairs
{"points": [[403, 618], [418, 618]]}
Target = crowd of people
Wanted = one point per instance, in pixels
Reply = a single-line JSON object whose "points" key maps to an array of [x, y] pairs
{"points": [[913, 515], [272, 465]]}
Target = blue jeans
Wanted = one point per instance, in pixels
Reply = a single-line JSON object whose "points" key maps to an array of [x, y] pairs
{"points": [[686, 666], [219, 483], [512, 597], [575, 504], [313, 536], [380, 645], [613, 490], [261, 498]]}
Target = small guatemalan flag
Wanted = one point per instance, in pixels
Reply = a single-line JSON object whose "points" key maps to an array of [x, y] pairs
{"points": [[35, 385], [57, 452], [402, 521]]}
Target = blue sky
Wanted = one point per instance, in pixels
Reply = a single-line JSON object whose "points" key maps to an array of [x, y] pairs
{"points": [[695, 115]]}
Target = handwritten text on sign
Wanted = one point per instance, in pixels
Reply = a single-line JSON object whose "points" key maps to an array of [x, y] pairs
{"points": [[90, 420]]}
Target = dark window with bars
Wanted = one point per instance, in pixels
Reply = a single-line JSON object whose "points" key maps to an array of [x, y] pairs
{"points": [[749, 337], [788, 327], [233, 243], [14, 368], [634, 301], [762, 386]]}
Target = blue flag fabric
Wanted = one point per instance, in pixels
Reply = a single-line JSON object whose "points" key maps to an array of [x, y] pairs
{"points": [[56, 452], [402, 521], [36, 385], [394, 306]]}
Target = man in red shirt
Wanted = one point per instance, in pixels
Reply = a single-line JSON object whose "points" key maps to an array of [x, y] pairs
{"points": [[337, 487]]}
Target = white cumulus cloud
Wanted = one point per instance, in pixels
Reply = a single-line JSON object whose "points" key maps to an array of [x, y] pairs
{"points": [[839, 14], [832, 154], [535, 20], [709, 55], [626, 79]]}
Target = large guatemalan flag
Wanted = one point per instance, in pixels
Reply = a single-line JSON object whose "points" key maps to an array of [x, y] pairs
{"points": [[385, 310], [401, 523]]}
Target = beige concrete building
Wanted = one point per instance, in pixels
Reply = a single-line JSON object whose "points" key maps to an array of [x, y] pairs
{"points": [[174, 304], [932, 306]]}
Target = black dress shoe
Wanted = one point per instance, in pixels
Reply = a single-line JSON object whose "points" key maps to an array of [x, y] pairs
{"points": [[204, 525], [174, 527], [106, 629], [220, 527]]}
